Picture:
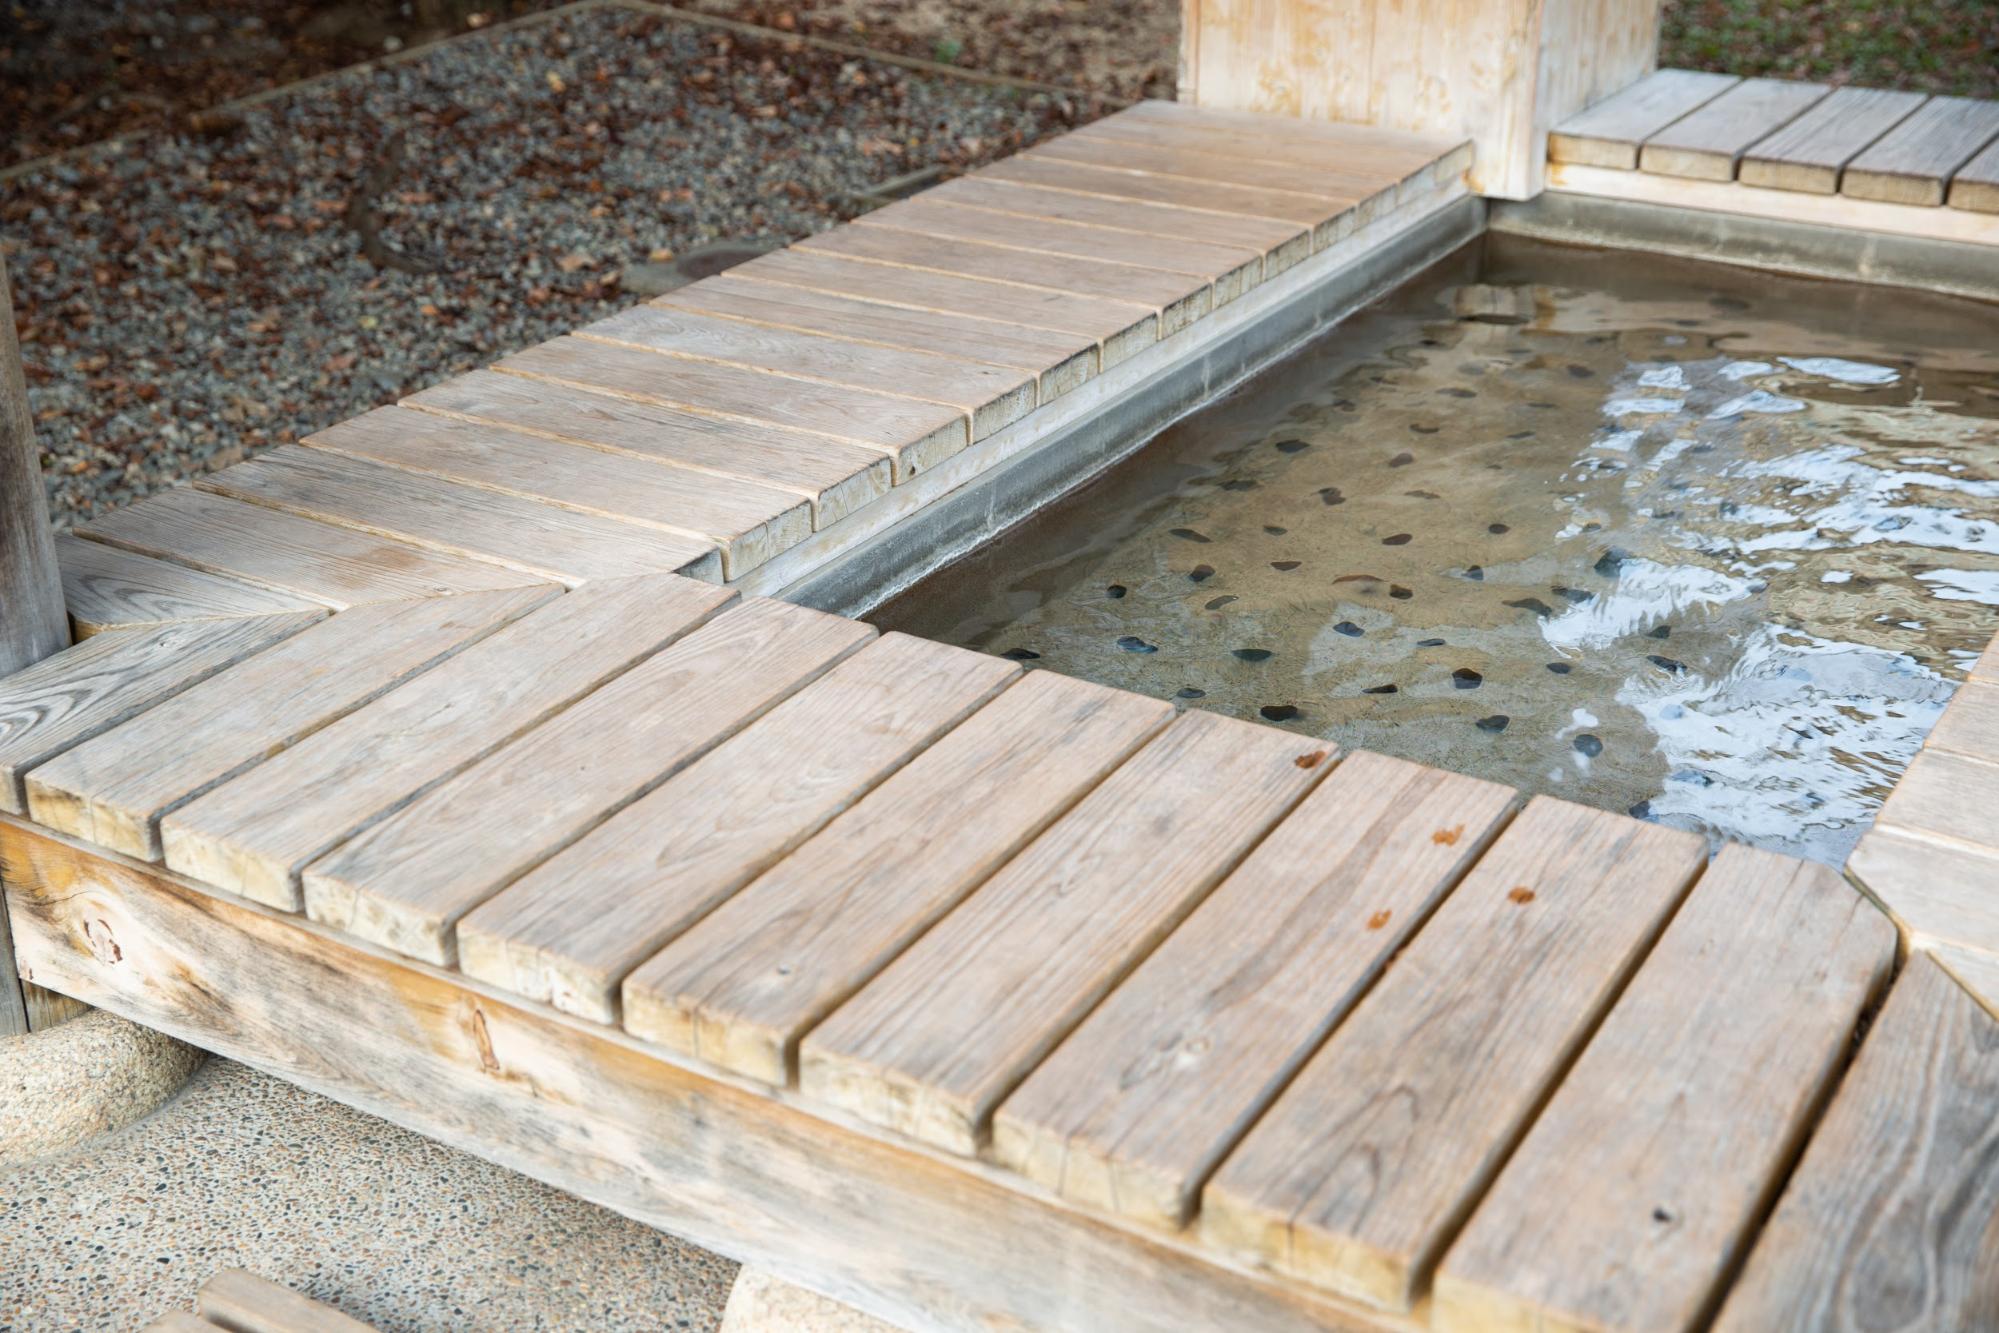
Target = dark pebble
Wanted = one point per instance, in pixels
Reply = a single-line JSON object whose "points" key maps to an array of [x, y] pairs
{"points": [[1251, 654], [1727, 303], [1457, 393], [1662, 632], [1021, 654], [1425, 430], [1429, 643], [1497, 722], [1581, 373], [1574, 595], [1642, 810], [1201, 573], [1217, 603], [1189, 692], [1521, 435], [1379, 689], [1285, 566], [1348, 628], [1189, 535], [1541, 405], [1239, 484], [1665, 663], [1278, 712], [1476, 573], [1131, 643], [1330, 495], [1610, 563], [1560, 668], [1497, 529], [1399, 593], [1291, 446], [1274, 530], [1587, 744], [1592, 526], [1534, 604], [1466, 679], [1115, 591], [1399, 539], [1403, 459]]}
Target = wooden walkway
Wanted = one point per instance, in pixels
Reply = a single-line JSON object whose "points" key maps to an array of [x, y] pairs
{"points": [[405, 764]]}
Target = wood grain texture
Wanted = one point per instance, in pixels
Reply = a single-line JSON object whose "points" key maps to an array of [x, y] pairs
{"points": [[1975, 186], [87, 689], [1275, 184], [1937, 891], [404, 883], [1361, 1171], [1670, 1137], [32, 622], [567, 932], [990, 396], [1888, 1220], [558, 545], [750, 523], [1707, 143], [916, 436], [1970, 725], [929, 1047], [1945, 795], [1914, 162], [1063, 173], [1117, 330], [245, 1303], [252, 834], [1609, 133], [1974, 969], [336, 567], [745, 983], [1176, 299], [1810, 152], [1132, 1112], [107, 588], [113, 789], [1317, 152], [1061, 361], [933, 1244]]}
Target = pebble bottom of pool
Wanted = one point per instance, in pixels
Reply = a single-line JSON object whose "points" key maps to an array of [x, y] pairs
{"points": [[1707, 545]]}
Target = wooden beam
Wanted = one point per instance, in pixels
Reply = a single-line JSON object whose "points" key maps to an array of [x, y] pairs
{"points": [[32, 622]]}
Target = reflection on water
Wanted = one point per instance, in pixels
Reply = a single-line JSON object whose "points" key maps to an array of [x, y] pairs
{"points": [[1710, 546]]}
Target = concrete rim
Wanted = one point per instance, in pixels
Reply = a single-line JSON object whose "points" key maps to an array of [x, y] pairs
{"points": [[68, 1084]]}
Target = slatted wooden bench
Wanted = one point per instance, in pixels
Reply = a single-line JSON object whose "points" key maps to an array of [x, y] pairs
{"points": [[235, 1301]]}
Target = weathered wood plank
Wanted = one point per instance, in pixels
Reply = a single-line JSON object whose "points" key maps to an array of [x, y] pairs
{"points": [[1888, 1220], [836, 476], [1352, 154], [1936, 890], [1061, 361], [1976, 184], [1178, 300], [1242, 180], [568, 931], [1947, 795], [1975, 970], [548, 542], [336, 567], [108, 588], [1610, 133], [916, 436], [32, 624], [743, 985], [1231, 270], [1639, 1188], [1708, 142], [1281, 243], [1970, 725], [245, 1303], [992, 397], [930, 1046], [750, 523], [1809, 153], [1111, 324], [180, 1321], [1914, 162], [91, 687], [1326, 132], [1055, 173], [1358, 1175], [404, 883], [937, 1244], [1132, 1112], [113, 789], [252, 834]]}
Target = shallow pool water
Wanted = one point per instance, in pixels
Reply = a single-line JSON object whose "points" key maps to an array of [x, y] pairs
{"points": [[1707, 545]]}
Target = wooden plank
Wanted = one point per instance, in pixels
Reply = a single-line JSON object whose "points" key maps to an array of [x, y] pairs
{"points": [[1809, 153], [1275, 184], [567, 932], [1325, 132], [1231, 270], [1088, 171], [1889, 1215], [83, 690], [1324, 151], [1117, 333], [749, 523], [113, 789], [1986, 668], [916, 436], [107, 588], [1061, 361], [404, 883], [336, 567], [1134, 1110], [1610, 132], [1638, 1190], [1975, 187], [551, 543], [932, 1243], [1177, 300], [1358, 1175], [993, 397], [1914, 162], [1975, 970], [1707, 143], [929, 1047], [33, 625], [1970, 725], [180, 1321], [245, 1303], [252, 834], [742, 986], [1281, 243], [836, 476], [1945, 795], [1937, 891]]}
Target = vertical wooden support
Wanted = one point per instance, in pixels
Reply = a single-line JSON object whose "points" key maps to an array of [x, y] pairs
{"points": [[1500, 72], [32, 621]]}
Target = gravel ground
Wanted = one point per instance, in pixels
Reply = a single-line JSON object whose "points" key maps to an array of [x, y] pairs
{"points": [[241, 1170], [186, 298]]}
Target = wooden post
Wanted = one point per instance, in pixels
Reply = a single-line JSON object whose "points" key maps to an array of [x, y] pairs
{"points": [[33, 624], [1499, 72]]}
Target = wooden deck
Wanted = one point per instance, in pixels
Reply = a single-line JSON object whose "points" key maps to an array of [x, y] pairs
{"points": [[427, 765]]}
